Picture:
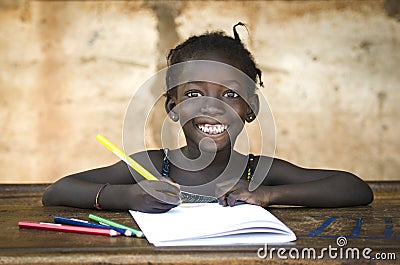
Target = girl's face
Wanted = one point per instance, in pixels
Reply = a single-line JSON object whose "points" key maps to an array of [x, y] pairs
{"points": [[212, 114]]}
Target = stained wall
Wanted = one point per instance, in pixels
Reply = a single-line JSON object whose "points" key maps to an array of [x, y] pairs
{"points": [[68, 70]]}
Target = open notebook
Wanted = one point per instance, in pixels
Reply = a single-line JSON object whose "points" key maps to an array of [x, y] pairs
{"points": [[206, 224]]}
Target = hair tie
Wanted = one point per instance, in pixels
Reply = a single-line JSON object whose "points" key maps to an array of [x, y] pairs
{"points": [[237, 38]]}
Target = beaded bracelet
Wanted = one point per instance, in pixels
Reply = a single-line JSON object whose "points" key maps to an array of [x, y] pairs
{"points": [[96, 203]]}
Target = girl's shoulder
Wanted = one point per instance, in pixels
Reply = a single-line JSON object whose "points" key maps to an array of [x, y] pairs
{"points": [[151, 153], [272, 161], [275, 171]]}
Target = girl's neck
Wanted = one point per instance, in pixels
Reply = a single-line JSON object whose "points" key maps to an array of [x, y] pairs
{"points": [[221, 158]]}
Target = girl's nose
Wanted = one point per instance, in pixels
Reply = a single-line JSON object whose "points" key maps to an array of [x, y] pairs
{"points": [[212, 106]]}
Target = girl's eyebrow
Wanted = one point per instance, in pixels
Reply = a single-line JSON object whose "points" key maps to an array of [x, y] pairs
{"points": [[226, 83], [194, 82], [231, 82]]}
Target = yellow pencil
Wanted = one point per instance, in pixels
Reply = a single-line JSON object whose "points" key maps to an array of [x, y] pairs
{"points": [[126, 158]]}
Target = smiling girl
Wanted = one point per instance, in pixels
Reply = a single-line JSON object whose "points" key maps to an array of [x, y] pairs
{"points": [[212, 115]]}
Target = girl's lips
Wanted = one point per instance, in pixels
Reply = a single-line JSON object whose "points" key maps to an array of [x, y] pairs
{"points": [[212, 129]]}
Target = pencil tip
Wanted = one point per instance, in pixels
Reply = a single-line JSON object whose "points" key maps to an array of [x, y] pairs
{"points": [[114, 233]]}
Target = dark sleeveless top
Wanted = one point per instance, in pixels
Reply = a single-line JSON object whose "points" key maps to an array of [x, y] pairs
{"points": [[198, 198]]}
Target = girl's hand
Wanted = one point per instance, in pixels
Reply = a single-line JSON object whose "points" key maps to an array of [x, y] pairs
{"points": [[153, 196], [240, 192]]}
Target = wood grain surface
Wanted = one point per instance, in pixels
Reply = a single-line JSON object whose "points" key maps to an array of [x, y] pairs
{"points": [[376, 226]]}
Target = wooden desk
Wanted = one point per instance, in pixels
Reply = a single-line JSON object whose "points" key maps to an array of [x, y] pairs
{"points": [[376, 226]]}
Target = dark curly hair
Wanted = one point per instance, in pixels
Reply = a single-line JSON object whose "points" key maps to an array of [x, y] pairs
{"points": [[232, 48]]}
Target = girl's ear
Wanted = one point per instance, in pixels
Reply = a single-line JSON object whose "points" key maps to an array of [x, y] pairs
{"points": [[170, 104], [253, 106]]}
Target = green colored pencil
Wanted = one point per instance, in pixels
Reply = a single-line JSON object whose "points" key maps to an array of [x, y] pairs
{"points": [[114, 224]]}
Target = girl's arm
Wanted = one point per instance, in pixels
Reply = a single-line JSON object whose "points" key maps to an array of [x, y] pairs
{"points": [[287, 184], [295, 185], [121, 193]]}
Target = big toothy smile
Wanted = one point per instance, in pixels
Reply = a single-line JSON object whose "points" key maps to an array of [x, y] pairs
{"points": [[212, 129]]}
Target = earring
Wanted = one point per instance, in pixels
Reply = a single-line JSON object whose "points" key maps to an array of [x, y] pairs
{"points": [[174, 117], [250, 118]]}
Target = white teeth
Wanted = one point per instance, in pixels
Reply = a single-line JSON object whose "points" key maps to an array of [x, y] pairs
{"points": [[212, 128]]}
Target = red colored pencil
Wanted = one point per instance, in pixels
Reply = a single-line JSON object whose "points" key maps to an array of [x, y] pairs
{"points": [[69, 228]]}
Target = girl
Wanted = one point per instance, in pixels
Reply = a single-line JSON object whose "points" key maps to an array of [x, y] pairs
{"points": [[211, 115]]}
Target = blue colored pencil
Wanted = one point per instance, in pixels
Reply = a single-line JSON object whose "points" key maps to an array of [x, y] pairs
{"points": [[78, 222]]}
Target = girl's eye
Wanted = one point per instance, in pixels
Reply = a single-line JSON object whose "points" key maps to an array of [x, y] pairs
{"points": [[193, 94], [231, 94]]}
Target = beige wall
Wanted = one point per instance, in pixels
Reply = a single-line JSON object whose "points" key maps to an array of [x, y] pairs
{"points": [[68, 70]]}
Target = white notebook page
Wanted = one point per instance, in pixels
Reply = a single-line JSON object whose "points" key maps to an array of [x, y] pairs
{"points": [[212, 224]]}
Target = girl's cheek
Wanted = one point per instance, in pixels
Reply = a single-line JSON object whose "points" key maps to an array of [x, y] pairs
{"points": [[188, 109]]}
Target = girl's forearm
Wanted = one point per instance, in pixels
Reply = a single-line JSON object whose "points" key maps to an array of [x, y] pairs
{"points": [[342, 189], [82, 194], [148, 196]]}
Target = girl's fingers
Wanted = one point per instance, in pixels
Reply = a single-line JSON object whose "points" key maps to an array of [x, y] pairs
{"points": [[159, 207], [167, 198], [222, 200], [156, 206], [232, 198], [224, 190], [161, 191], [241, 195], [165, 186]]}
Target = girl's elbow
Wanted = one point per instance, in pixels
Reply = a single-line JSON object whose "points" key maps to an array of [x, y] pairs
{"points": [[49, 196], [367, 195], [46, 199], [364, 192]]}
